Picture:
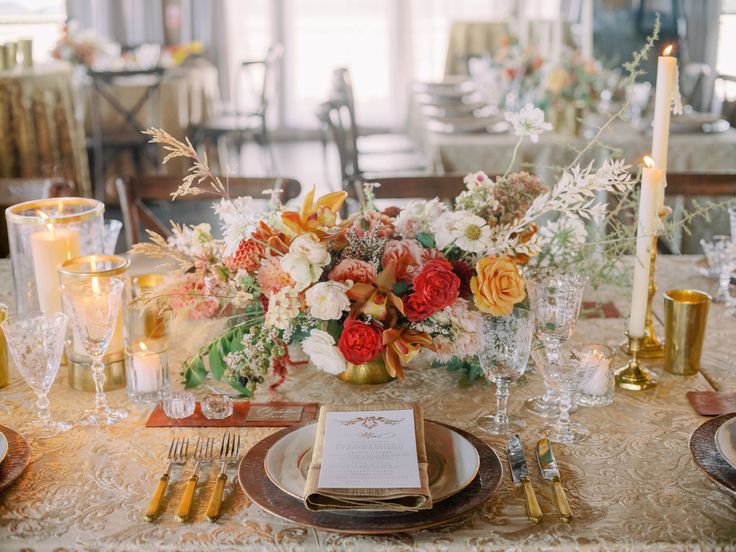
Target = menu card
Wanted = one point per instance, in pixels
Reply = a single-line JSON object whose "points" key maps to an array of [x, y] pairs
{"points": [[369, 458]]}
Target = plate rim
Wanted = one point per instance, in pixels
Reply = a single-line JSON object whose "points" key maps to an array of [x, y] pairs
{"points": [[701, 431], [716, 440], [4, 439], [25, 447], [487, 481], [463, 484]]}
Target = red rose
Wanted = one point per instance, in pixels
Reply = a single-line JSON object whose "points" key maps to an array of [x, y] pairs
{"points": [[437, 286], [359, 341], [416, 309]]}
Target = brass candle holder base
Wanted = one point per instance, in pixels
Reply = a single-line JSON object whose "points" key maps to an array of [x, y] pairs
{"points": [[651, 347], [633, 376]]}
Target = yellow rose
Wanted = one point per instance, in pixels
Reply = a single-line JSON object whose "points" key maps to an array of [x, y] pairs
{"points": [[497, 285]]}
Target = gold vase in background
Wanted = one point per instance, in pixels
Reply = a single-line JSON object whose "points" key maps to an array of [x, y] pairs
{"points": [[685, 318], [371, 372]]}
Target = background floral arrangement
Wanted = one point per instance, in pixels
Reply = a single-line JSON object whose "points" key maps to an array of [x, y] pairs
{"points": [[80, 46], [573, 78]]}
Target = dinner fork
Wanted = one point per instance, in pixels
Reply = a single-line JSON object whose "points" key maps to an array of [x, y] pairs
{"points": [[203, 452], [229, 451], [177, 455]]}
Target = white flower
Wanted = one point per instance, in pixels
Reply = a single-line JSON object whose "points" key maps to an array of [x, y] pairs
{"points": [[476, 179], [444, 228], [309, 247], [563, 239], [239, 219], [528, 121], [283, 306], [328, 300], [305, 260], [471, 233], [417, 217], [191, 240], [321, 350]]}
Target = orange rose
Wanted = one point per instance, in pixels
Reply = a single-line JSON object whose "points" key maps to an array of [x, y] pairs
{"points": [[497, 285]]}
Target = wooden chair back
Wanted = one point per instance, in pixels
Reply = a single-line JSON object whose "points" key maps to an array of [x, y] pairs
{"points": [[445, 187], [701, 184], [135, 191]]}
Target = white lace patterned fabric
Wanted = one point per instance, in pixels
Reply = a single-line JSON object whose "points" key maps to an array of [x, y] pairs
{"points": [[632, 485]]}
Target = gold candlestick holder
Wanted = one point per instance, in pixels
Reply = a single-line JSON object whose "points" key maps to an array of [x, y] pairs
{"points": [[633, 376]]}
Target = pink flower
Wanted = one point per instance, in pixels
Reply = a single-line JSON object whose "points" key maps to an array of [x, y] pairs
{"points": [[373, 221], [190, 295], [271, 277], [408, 257], [353, 269]]}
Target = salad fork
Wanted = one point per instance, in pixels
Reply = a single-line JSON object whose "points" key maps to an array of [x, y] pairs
{"points": [[229, 452], [203, 452], [177, 455]]}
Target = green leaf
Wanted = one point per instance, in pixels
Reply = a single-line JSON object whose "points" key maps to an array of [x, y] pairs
{"points": [[400, 288], [244, 392], [194, 372], [425, 239], [216, 359], [334, 328]]}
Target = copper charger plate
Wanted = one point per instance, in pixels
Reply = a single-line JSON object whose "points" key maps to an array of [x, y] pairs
{"points": [[262, 491], [19, 454], [706, 455]]}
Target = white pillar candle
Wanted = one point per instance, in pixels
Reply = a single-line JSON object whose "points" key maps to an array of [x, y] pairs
{"points": [[666, 86], [586, 29], [599, 366], [147, 369], [652, 180], [50, 248]]}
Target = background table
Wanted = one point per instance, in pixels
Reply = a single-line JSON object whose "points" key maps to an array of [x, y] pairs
{"points": [[632, 485]]}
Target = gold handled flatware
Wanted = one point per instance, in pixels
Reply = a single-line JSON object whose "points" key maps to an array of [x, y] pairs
{"points": [[177, 455], [203, 452], [551, 473], [229, 451], [520, 474]]}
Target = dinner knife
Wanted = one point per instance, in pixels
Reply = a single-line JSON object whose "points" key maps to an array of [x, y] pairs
{"points": [[551, 473], [520, 474]]}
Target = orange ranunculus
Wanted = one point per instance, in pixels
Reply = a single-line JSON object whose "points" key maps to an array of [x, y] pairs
{"points": [[497, 285], [315, 217]]}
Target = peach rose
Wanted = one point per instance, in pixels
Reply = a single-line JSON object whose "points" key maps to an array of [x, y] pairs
{"points": [[408, 256], [497, 285], [353, 269]]}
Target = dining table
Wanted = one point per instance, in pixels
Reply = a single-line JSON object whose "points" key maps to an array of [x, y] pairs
{"points": [[632, 485]]}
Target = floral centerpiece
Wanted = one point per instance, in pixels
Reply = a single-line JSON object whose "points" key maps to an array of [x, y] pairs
{"points": [[377, 286], [80, 46]]}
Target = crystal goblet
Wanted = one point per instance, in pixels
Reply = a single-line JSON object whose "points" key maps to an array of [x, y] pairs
{"points": [[505, 344], [721, 255], [92, 306], [36, 341], [555, 300]]}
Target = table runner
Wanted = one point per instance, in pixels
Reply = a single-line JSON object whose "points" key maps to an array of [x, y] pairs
{"points": [[631, 486]]}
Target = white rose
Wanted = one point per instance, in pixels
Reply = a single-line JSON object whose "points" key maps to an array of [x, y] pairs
{"points": [[300, 269], [328, 300], [309, 247], [321, 350]]}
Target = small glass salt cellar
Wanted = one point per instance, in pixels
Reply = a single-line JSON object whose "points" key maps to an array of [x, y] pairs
{"points": [[216, 406], [179, 405], [598, 383]]}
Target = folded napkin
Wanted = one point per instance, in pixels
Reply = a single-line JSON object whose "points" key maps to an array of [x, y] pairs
{"points": [[395, 499], [712, 403]]}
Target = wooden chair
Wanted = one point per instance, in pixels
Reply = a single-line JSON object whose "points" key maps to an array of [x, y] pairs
{"points": [[134, 191], [18, 190], [445, 187], [701, 184]]}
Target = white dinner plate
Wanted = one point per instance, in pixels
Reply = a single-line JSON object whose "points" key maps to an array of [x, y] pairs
{"points": [[726, 441], [453, 461], [3, 446]]}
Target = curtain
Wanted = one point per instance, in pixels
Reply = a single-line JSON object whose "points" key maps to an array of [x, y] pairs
{"points": [[702, 30], [205, 21], [129, 22]]}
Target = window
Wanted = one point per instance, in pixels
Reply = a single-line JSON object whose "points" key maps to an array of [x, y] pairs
{"points": [[35, 19], [726, 63]]}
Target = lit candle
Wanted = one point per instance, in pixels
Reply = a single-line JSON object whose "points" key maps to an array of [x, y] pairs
{"points": [[652, 181], [49, 249], [665, 94], [146, 369], [599, 366]]}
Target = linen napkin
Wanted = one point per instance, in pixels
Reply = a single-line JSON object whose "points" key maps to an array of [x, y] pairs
{"points": [[392, 499], [712, 403]]}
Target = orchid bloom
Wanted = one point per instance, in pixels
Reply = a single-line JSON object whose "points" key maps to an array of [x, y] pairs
{"points": [[315, 217], [374, 299], [402, 345]]}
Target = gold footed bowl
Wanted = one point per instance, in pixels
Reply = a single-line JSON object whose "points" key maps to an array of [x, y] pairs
{"points": [[369, 373]]}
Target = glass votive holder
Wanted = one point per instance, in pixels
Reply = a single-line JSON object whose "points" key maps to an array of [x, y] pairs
{"points": [[598, 382], [147, 371], [216, 406], [179, 405]]}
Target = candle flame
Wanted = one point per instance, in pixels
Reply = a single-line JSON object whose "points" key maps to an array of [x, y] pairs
{"points": [[667, 51], [648, 161], [45, 217], [143, 346], [96, 286], [93, 263]]}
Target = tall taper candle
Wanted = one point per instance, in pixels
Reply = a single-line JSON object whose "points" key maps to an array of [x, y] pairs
{"points": [[652, 180], [666, 83]]}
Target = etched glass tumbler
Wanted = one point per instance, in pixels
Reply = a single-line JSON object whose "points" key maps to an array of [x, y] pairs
{"points": [[93, 306], [503, 353], [36, 341], [721, 255]]}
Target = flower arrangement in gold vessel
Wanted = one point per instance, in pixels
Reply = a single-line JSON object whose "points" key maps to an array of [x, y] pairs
{"points": [[377, 286]]}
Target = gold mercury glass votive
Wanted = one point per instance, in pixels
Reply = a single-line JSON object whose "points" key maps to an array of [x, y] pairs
{"points": [[685, 318], [79, 362], [146, 321]]}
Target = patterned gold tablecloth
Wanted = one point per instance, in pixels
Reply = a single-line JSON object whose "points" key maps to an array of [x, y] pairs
{"points": [[632, 485]]}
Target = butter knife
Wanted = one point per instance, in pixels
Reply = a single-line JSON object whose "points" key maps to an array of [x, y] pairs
{"points": [[551, 473], [520, 474]]}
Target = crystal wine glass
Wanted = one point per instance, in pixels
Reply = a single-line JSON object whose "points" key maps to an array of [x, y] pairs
{"points": [[565, 373], [503, 353], [721, 255], [555, 300], [35, 341], [93, 306]]}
